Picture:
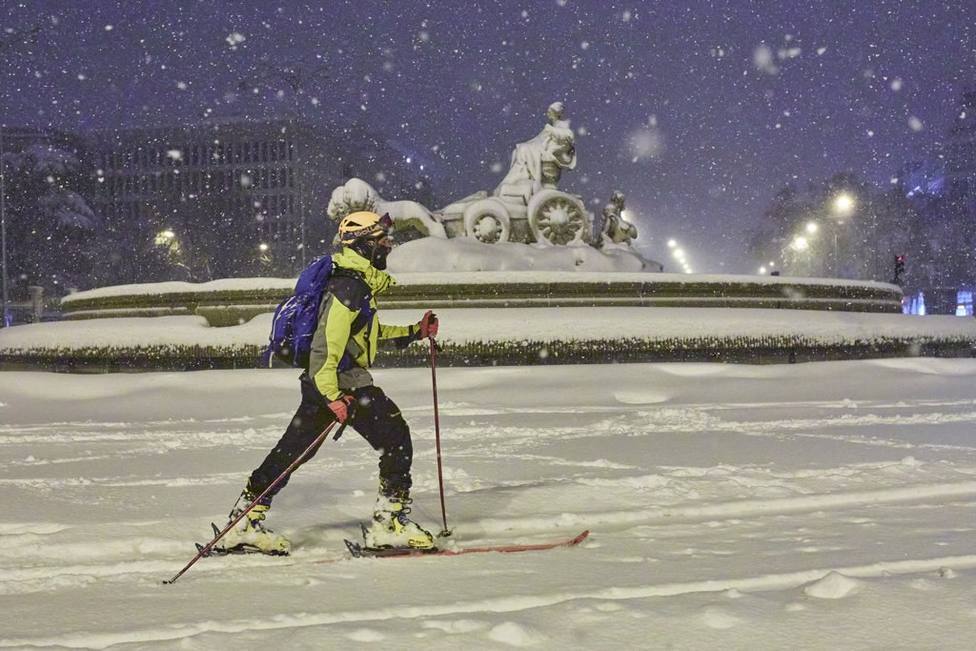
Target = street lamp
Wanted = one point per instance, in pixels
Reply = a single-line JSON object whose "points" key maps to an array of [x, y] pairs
{"points": [[164, 237], [812, 227], [672, 244], [800, 243], [762, 271], [844, 204]]}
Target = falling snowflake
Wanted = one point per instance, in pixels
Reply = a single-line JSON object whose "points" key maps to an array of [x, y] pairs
{"points": [[234, 39], [174, 154], [763, 59], [645, 143], [915, 124]]}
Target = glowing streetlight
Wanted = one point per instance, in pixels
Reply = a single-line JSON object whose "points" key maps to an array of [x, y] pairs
{"points": [[762, 271], [672, 244], [679, 254], [844, 204], [812, 227], [800, 243], [164, 237], [262, 247]]}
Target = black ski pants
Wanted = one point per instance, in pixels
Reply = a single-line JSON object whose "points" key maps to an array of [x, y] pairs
{"points": [[375, 417]]}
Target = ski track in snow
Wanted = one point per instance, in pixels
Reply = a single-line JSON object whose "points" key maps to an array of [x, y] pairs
{"points": [[817, 499], [499, 605]]}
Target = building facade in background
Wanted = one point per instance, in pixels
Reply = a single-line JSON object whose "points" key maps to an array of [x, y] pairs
{"points": [[233, 190], [216, 199], [234, 197]]}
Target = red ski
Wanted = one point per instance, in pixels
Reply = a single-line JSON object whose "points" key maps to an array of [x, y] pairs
{"points": [[359, 551]]}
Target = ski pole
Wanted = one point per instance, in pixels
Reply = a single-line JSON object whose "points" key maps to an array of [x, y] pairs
{"points": [[437, 434], [205, 549]]}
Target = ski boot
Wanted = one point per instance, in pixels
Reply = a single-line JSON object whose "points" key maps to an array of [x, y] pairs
{"points": [[392, 529], [250, 536]]}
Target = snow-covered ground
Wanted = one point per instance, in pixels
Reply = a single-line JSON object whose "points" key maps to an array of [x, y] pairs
{"points": [[826, 505]]}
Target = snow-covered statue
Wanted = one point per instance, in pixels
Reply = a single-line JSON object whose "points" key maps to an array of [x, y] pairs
{"points": [[616, 229], [527, 205], [356, 195], [538, 163]]}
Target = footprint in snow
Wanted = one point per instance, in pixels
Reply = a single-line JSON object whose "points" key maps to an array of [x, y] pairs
{"points": [[719, 618], [513, 634], [366, 635]]}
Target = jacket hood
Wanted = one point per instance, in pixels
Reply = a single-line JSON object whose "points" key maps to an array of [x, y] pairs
{"points": [[377, 280]]}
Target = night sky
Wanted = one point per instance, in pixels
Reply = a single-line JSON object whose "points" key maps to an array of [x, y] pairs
{"points": [[699, 111]]}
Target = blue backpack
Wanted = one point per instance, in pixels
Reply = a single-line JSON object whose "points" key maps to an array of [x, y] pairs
{"points": [[297, 316]]}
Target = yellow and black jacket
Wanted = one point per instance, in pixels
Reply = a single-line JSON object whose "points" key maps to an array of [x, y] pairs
{"points": [[345, 341]]}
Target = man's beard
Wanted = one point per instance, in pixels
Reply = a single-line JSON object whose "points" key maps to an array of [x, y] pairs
{"points": [[378, 259]]}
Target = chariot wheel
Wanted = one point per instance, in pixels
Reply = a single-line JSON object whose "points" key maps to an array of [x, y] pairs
{"points": [[557, 218], [487, 220]]}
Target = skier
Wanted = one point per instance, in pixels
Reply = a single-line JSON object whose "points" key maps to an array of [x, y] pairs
{"points": [[338, 387]]}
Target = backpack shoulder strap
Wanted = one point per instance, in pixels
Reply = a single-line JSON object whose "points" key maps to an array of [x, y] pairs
{"points": [[349, 288]]}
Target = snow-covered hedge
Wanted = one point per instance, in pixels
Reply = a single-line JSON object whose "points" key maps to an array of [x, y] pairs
{"points": [[759, 350], [476, 336]]}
